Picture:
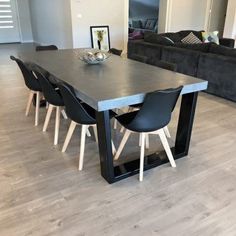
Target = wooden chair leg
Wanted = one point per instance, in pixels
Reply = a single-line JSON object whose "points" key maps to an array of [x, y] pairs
{"points": [[37, 108], [69, 135], [142, 153], [57, 125], [88, 132], [167, 132], [147, 141], [122, 129], [122, 144], [115, 121], [113, 148], [82, 146], [30, 99], [140, 140], [64, 114], [48, 116], [95, 133], [166, 146]]}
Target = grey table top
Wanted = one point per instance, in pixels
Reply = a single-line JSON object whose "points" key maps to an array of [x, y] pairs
{"points": [[116, 83]]}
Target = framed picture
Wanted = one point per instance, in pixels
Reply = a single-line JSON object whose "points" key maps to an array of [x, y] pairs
{"points": [[100, 37]]}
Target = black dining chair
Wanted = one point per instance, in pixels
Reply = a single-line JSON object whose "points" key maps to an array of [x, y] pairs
{"points": [[164, 65], [153, 116], [54, 99], [46, 48], [115, 51], [32, 84], [80, 114], [139, 58]]}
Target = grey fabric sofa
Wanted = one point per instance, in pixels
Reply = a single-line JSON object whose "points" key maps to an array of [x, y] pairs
{"points": [[211, 62]]}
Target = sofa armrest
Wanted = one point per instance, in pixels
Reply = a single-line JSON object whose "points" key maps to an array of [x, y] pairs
{"points": [[227, 42]]}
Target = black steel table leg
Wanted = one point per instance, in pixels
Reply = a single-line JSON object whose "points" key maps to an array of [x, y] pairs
{"points": [[105, 148], [185, 124], [115, 173]]}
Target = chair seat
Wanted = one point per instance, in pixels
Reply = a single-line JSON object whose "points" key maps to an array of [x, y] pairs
{"points": [[126, 119], [136, 105]]}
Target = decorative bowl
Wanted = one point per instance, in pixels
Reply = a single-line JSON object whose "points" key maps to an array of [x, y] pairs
{"points": [[94, 57]]}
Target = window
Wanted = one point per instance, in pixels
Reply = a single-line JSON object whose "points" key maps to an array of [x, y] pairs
{"points": [[6, 18]]}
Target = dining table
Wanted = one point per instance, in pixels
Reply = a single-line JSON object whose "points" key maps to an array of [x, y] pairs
{"points": [[117, 83]]}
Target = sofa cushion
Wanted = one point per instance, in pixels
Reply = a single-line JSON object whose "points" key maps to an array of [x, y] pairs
{"points": [[222, 50], [156, 39], [220, 72], [186, 60], [201, 47], [210, 37], [141, 48], [137, 24], [191, 39], [150, 24], [137, 34], [184, 33], [173, 36]]}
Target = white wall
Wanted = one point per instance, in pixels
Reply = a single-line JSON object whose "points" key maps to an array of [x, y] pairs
{"points": [[25, 21], [86, 13], [187, 14], [51, 22], [230, 23], [176, 15]]}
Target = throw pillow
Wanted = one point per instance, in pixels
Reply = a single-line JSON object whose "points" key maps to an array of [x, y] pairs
{"points": [[210, 37], [191, 39]]}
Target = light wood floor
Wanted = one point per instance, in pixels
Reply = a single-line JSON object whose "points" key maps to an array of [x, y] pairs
{"points": [[42, 193]]}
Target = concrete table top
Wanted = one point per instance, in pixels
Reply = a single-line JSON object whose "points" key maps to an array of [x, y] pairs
{"points": [[118, 82]]}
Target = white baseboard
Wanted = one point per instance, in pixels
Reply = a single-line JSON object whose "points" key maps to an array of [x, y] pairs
{"points": [[27, 41]]}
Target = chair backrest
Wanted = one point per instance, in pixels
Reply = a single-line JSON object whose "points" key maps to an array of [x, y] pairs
{"points": [[51, 95], [156, 110], [139, 58], [115, 51], [46, 48], [30, 80], [165, 65], [74, 110]]}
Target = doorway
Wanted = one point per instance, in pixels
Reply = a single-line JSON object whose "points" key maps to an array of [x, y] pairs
{"points": [[217, 16], [143, 15], [9, 26]]}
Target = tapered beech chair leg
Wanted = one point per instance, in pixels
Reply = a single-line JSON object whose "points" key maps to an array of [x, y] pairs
{"points": [[57, 125], [113, 148], [48, 116], [82, 146], [30, 99], [142, 152], [69, 135], [37, 108], [122, 129], [166, 147], [95, 133], [122, 144], [115, 121], [147, 141], [167, 132], [64, 114]]}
